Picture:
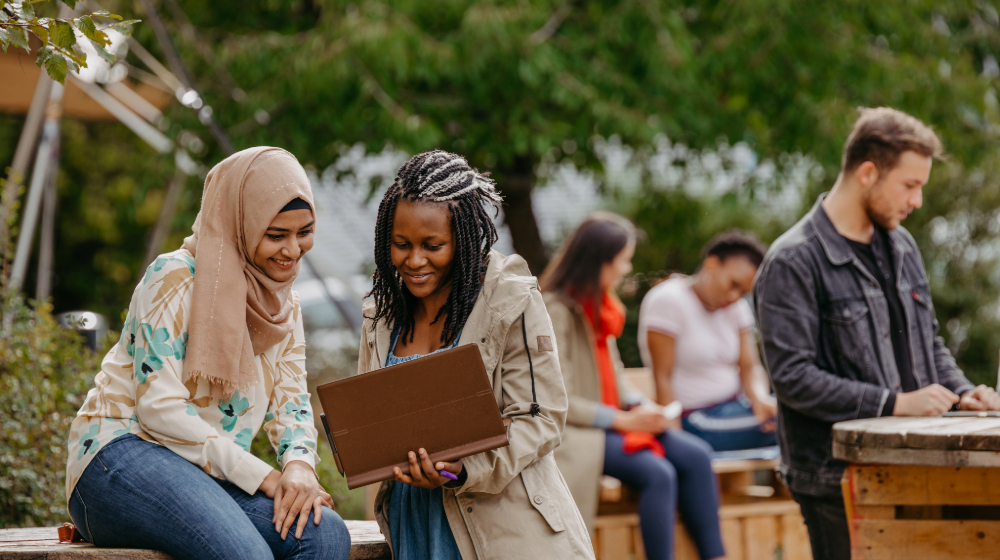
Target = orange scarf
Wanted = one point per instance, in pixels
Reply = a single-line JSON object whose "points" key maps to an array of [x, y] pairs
{"points": [[612, 322]]}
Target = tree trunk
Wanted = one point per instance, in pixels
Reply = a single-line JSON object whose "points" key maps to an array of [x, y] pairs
{"points": [[516, 185]]}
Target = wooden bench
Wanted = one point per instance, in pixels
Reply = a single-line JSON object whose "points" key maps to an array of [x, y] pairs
{"points": [[758, 518], [37, 543]]}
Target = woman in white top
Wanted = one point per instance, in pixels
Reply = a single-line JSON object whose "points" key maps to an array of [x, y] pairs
{"points": [[697, 335]]}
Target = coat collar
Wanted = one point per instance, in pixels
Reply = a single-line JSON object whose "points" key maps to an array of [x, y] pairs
{"points": [[835, 246]]}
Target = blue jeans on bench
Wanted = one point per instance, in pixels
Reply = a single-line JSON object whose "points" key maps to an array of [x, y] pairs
{"points": [[729, 426], [136, 494], [684, 480]]}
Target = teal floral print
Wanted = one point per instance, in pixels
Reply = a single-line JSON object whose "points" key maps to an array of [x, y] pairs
{"points": [[145, 364], [146, 370], [244, 438], [88, 443], [301, 412], [179, 345], [163, 260], [291, 442], [128, 334], [232, 410]]}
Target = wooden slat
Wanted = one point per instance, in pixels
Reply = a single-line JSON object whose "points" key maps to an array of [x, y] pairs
{"points": [[684, 547], [367, 543], [615, 541], [966, 434], [921, 485], [761, 537], [732, 538], [907, 456], [795, 538], [925, 540]]}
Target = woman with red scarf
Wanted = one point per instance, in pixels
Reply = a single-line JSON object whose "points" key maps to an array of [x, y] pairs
{"points": [[608, 431]]}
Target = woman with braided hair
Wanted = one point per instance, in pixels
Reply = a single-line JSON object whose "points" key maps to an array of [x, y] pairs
{"points": [[437, 285]]}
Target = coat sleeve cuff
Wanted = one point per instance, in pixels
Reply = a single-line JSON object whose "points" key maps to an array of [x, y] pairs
{"points": [[604, 417], [249, 473], [476, 470], [872, 401]]}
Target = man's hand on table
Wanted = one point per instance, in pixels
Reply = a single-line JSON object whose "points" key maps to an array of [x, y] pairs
{"points": [[980, 398], [931, 400]]}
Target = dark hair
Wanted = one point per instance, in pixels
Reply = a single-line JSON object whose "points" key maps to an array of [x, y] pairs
{"points": [[881, 135], [735, 243], [575, 273], [445, 178]]}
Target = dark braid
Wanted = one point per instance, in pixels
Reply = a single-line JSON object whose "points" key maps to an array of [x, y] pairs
{"points": [[437, 176]]}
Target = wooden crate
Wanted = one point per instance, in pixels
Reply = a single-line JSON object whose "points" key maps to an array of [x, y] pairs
{"points": [[918, 512], [768, 529]]}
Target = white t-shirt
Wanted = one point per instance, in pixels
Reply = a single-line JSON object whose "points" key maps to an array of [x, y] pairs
{"points": [[706, 365]]}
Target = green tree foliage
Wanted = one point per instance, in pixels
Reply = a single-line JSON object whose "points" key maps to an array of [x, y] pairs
{"points": [[59, 52], [45, 372]]}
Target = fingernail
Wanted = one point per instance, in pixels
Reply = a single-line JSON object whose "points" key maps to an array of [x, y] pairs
{"points": [[412, 456]]}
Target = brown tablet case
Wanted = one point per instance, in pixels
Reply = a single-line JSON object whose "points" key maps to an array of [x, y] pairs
{"points": [[442, 402]]}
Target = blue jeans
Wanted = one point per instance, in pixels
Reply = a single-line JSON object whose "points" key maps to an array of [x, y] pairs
{"points": [[136, 494], [729, 426], [683, 479]]}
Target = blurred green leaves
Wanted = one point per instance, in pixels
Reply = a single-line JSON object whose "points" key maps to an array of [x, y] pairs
{"points": [[45, 372], [59, 52]]}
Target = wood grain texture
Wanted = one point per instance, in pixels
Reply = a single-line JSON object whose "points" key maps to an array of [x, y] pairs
{"points": [[925, 540], [932, 441], [367, 543], [923, 485]]}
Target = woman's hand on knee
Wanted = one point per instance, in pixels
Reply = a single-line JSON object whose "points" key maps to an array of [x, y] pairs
{"points": [[296, 493], [425, 474]]}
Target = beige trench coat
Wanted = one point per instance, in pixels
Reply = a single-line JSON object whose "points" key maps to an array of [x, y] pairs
{"points": [[514, 503], [581, 455]]}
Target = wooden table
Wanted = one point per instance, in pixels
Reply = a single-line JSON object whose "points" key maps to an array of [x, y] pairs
{"points": [[36, 543], [921, 488]]}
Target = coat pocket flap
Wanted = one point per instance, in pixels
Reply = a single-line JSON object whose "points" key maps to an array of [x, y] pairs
{"points": [[540, 498]]}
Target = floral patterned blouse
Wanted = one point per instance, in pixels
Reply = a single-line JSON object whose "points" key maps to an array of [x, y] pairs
{"points": [[143, 389]]}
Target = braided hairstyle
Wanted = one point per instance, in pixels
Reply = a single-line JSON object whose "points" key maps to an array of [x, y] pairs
{"points": [[443, 177]]}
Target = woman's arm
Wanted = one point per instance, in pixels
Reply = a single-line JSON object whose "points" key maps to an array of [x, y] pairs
{"points": [[754, 380], [292, 430], [163, 404], [531, 437], [662, 348]]}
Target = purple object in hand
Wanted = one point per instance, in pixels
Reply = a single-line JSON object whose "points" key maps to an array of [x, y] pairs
{"points": [[448, 475]]}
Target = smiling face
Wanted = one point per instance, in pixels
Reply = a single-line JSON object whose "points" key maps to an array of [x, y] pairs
{"points": [[728, 280], [892, 197], [288, 237], [423, 246]]}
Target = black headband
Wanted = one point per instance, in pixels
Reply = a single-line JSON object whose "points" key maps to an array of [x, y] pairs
{"points": [[296, 204]]}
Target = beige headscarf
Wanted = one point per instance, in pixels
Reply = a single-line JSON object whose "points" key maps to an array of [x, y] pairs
{"points": [[237, 311]]}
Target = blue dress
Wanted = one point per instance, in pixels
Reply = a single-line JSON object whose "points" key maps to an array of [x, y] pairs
{"points": [[418, 525]]}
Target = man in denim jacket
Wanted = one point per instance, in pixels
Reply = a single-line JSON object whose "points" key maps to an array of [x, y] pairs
{"points": [[846, 317]]}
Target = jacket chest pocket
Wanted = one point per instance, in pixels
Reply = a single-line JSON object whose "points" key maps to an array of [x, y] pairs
{"points": [[847, 324]]}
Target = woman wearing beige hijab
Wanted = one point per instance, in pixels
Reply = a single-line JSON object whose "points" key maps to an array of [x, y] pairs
{"points": [[212, 350]]}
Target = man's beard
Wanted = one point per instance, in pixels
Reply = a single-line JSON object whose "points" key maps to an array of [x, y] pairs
{"points": [[878, 217]]}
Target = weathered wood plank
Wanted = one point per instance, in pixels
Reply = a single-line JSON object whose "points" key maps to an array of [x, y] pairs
{"points": [[907, 456], [925, 540], [920, 485], [732, 538], [367, 543], [762, 538], [794, 538]]}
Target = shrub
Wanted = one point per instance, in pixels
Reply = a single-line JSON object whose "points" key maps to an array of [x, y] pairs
{"points": [[45, 372]]}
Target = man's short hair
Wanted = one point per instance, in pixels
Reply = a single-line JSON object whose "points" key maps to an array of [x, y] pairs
{"points": [[882, 134], [735, 243]]}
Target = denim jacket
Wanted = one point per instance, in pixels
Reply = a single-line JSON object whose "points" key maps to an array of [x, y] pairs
{"points": [[824, 324]]}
